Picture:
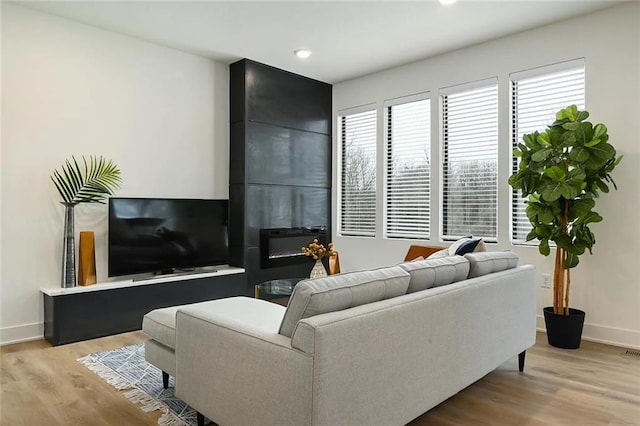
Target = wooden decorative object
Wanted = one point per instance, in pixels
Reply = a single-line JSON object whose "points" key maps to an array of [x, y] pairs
{"points": [[87, 264], [334, 264], [424, 251]]}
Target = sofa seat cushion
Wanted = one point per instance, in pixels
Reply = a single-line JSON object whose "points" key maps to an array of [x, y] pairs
{"points": [[435, 272], [338, 292], [160, 324], [489, 262]]}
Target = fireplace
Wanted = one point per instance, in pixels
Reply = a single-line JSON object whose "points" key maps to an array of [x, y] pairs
{"points": [[283, 246]]}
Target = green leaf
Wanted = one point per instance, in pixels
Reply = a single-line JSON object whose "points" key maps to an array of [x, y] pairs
{"points": [[602, 186], [592, 143], [570, 113], [544, 139], [575, 178], [543, 248], [545, 215], [543, 232], [91, 184], [541, 155], [551, 191], [579, 154], [568, 191], [599, 131], [583, 206], [583, 115], [572, 126], [571, 261], [563, 241], [584, 133], [590, 217], [602, 151], [517, 153], [555, 173], [530, 139]]}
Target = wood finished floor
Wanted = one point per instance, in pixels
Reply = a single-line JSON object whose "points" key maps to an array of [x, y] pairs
{"points": [[594, 385]]}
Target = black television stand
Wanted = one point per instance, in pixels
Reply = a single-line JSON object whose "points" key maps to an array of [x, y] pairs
{"points": [[86, 312]]}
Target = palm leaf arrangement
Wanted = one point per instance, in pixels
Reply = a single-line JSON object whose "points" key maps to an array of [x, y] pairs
{"points": [[92, 183]]}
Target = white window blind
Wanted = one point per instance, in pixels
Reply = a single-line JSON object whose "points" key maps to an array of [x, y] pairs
{"points": [[408, 142], [535, 99], [470, 161], [358, 174]]}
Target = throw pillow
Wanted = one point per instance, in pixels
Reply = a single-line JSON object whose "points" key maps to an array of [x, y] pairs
{"points": [[468, 246], [439, 254], [456, 244]]}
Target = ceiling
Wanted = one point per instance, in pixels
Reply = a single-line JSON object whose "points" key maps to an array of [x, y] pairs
{"points": [[348, 38]]}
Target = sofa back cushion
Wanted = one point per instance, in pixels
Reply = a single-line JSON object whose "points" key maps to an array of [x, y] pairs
{"points": [[490, 261], [435, 272], [343, 291]]}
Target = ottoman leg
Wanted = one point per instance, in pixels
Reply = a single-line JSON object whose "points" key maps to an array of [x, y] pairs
{"points": [[165, 380]]}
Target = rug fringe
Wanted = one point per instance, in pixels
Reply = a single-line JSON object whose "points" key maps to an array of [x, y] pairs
{"points": [[137, 396], [147, 402], [170, 419], [105, 373]]}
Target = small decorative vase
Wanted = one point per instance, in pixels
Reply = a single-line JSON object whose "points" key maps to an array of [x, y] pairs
{"points": [[69, 248], [318, 270]]}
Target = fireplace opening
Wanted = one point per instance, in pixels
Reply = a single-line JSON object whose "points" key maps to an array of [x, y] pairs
{"points": [[283, 246]]}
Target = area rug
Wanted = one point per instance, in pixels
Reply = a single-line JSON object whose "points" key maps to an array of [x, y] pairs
{"points": [[125, 369]]}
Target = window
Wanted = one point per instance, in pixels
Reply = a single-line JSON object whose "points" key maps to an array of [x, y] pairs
{"points": [[358, 173], [470, 160], [408, 141], [536, 96]]}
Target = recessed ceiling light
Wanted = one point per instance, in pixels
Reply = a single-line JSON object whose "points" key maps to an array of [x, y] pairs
{"points": [[447, 2], [302, 53]]}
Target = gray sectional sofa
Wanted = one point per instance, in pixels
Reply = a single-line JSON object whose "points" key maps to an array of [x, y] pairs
{"points": [[376, 347]]}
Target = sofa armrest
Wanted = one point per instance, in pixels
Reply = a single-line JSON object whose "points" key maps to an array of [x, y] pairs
{"points": [[238, 371]]}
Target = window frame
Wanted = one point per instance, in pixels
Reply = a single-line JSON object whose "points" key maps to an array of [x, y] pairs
{"points": [[387, 110], [444, 93], [342, 114]]}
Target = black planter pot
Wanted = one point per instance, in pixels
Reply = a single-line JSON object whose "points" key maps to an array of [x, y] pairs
{"points": [[564, 331]]}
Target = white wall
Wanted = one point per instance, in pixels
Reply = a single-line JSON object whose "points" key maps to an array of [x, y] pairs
{"points": [[607, 284], [72, 89]]}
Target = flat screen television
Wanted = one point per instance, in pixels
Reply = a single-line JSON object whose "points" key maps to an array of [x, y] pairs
{"points": [[164, 235]]}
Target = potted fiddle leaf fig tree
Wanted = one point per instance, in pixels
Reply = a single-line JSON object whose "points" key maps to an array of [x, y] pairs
{"points": [[562, 172]]}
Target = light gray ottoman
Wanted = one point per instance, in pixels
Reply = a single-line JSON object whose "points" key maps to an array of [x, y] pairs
{"points": [[160, 325]]}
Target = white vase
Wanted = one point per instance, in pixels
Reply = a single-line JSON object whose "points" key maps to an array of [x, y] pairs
{"points": [[318, 270]]}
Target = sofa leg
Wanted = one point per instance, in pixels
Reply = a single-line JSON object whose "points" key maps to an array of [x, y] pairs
{"points": [[521, 360], [165, 380], [200, 419]]}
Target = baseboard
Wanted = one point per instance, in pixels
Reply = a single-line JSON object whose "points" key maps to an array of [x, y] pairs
{"points": [[603, 334], [21, 333]]}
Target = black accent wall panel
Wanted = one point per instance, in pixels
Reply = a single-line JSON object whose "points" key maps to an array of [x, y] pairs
{"points": [[280, 160], [282, 156], [237, 159], [287, 100]]}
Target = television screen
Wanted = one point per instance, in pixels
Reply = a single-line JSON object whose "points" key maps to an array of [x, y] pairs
{"points": [[164, 235]]}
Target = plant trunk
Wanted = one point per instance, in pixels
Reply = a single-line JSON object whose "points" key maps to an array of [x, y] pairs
{"points": [[562, 276]]}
